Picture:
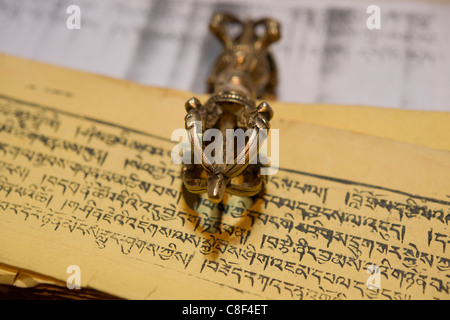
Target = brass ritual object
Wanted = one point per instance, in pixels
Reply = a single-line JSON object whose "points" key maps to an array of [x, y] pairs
{"points": [[242, 73]]}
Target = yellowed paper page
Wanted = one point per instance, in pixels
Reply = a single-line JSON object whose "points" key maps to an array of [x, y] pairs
{"points": [[89, 183]]}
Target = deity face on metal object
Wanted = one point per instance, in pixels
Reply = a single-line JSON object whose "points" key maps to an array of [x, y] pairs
{"points": [[242, 73]]}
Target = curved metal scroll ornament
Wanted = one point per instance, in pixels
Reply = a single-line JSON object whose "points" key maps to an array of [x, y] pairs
{"points": [[242, 73]]}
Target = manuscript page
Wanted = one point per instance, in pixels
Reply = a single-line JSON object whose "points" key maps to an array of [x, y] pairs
{"points": [[86, 179]]}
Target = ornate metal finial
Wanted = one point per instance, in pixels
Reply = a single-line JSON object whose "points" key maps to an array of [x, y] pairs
{"points": [[242, 73]]}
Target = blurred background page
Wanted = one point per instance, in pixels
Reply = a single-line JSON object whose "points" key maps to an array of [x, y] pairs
{"points": [[327, 53]]}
